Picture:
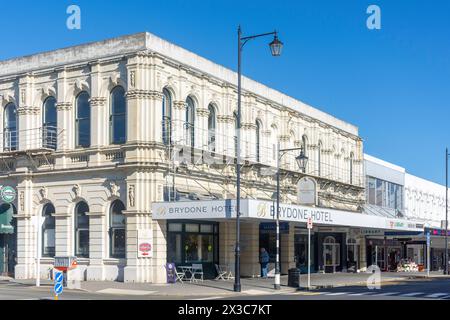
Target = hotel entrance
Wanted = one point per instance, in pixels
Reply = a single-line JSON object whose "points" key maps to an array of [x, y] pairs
{"points": [[8, 240]]}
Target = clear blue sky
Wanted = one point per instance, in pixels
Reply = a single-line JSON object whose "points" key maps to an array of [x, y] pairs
{"points": [[394, 84]]}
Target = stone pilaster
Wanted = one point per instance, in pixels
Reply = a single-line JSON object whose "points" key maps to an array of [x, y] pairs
{"points": [[287, 250], [250, 249], [97, 245]]}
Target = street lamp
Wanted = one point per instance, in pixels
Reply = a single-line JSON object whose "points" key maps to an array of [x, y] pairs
{"points": [[301, 160], [275, 48], [446, 213]]}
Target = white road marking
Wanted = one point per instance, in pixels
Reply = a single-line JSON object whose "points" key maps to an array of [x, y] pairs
{"points": [[208, 298], [385, 294], [436, 295], [362, 293], [412, 294], [336, 293], [125, 292]]}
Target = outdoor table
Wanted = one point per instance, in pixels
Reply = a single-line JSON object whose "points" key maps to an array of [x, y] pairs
{"points": [[186, 269]]}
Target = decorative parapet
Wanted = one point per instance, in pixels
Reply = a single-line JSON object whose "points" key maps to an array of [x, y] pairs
{"points": [[144, 94]]}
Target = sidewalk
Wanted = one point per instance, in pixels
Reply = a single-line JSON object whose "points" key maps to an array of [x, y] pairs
{"points": [[250, 286]]}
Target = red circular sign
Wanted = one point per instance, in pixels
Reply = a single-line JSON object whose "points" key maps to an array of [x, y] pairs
{"points": [[145, 247]]}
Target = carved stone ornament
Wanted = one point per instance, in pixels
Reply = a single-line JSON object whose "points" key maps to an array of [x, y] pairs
{"points": [[22, 200], [43, 192], [114, 188], [131, 195], [133, 78], [77, 190]]}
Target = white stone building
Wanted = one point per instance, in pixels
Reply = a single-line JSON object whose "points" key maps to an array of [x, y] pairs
{"points": [[90, 138]]}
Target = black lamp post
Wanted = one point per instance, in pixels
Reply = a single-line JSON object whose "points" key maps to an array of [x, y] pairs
{"points": [[275, 48], [301, 160], [446, 213]]}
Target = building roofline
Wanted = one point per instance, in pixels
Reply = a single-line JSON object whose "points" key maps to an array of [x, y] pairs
{"points": [[127, 44]]}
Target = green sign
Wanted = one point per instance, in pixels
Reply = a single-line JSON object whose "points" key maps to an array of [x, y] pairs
{"points": [[8, 194]]}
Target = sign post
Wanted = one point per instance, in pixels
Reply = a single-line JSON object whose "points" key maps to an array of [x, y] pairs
{"points": [[38, 220], [58, 287], [310, 225], [428, 253]]}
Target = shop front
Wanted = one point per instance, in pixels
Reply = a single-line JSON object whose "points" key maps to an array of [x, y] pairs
{"points": [[8, 239], [205, 232]]}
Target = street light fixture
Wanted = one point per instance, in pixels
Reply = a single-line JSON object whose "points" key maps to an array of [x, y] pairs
{"points": [[302, 161], [275, 47]]}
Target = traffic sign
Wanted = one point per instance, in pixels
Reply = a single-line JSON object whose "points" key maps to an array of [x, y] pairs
{"points": [[428, 239], [310, 223], [58, 288], [59, 277]]}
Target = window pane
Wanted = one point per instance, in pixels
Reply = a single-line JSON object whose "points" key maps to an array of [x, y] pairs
{"points": [[175, 227], [206, 228], [207, 248], [118, 245], [119, 129], [191, 247], [83, 243], [174, 248], [84, 133], [191, 227], [49, 242]]}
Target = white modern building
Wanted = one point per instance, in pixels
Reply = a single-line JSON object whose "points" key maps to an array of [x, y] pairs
{"points": [[126, 149]]}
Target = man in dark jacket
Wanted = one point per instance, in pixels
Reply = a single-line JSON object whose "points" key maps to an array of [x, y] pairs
{"points": [[264, 261]]}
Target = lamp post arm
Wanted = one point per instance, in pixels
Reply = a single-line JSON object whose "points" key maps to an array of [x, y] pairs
{"points": [[244, 40]]}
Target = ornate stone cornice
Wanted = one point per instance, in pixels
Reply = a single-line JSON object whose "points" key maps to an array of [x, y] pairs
{"points": [[179, 105], [248, 125], [97, 101], [202, 112], [284, 137], [28, 110], [225, 119], [61, 106], [144, 94]]}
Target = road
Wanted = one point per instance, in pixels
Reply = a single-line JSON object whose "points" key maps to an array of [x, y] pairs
{"points": [[437, 289]]}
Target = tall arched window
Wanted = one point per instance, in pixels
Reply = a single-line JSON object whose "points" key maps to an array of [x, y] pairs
{"points": [[190, 122], [319, 160], [118, 116], [48, 231], [49, 123], [10, 134], [117, 230], [83, 120], [351, 166], [81, 230], [167, 117], [212, 128], [258, 141]]}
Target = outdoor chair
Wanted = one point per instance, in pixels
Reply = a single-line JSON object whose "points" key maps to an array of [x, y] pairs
{"points": [[197, 269], [220, 273]]}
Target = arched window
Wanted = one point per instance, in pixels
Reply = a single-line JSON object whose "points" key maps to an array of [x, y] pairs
{"points": [[167, 117], [319, 160], [81, 230], [10, 135], [49, 123], [190, 122], [48, 231], [83, 121], [118, 116], [258, 141], [117, 230], [351, 167], [212, 128]]}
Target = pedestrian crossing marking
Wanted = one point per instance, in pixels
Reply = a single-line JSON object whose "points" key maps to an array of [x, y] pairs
{"points": [[337, 293], [362, 293], [308, 293], [384, 294], [412, 294], [436, 295]]}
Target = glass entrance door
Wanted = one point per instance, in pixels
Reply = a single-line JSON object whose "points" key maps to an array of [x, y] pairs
{"points": [[331, 254]]}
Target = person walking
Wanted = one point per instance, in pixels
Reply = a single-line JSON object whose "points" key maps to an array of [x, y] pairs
{"points": [[264, 261]]}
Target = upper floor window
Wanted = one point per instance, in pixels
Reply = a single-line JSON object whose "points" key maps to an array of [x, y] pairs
{"points": [[83, 121], [190, 122], [212, 128], [118, 116], [10, 135], [258, 141], [167, 117], [81, 230], [49, 124]]}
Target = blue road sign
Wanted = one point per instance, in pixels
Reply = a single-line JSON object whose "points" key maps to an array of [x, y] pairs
{"points": [[428, 239], [58, 288], [59, 276]]}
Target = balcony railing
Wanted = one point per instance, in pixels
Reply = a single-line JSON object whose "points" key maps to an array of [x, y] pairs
{"points": [[29, 139]]}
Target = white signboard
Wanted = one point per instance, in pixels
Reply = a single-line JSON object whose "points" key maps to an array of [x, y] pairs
{"points": [[264, 211], [310, 223], [145, 243], [306, 191]]}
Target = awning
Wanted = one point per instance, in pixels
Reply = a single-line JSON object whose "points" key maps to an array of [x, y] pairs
{"points": [[264, 211]]}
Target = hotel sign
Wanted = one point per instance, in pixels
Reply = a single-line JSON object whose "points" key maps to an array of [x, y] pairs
{"points": [[265, 211]]}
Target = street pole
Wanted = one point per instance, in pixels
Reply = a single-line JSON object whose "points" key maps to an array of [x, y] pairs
{"points": [[277, 285], [237, 278], [446, 213], [38, 249], [309, 258], [428, 254]]}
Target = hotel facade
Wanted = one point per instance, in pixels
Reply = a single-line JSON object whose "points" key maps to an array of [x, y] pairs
{"points": [[132, 140]]}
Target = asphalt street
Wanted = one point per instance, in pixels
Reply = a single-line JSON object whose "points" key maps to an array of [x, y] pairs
{"points": [[434, 289]]}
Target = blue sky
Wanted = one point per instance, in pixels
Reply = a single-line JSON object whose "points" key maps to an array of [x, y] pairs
{"points": [[393, 83]]}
